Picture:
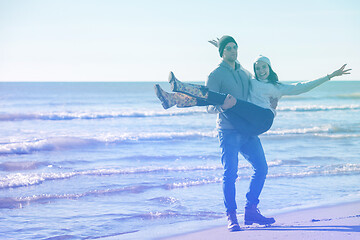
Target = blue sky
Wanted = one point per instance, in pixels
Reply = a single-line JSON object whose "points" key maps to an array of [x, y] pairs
{"points": [[139, 40]]}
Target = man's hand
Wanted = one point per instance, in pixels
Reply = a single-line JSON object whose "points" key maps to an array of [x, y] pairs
{"points": [[229, 102], [274, 102]]}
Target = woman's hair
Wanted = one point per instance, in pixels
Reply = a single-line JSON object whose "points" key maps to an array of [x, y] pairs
{"points": [[272, 78]]}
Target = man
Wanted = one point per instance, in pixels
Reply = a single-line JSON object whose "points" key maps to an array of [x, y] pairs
{"points": [[231, 78]]}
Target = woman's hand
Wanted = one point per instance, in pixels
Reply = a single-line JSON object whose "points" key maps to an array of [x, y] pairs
{"points": [[229, 102], [339, 72], [215, 42]]}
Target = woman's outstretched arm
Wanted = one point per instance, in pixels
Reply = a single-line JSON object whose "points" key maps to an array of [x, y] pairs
{"points": [[302, 87]]}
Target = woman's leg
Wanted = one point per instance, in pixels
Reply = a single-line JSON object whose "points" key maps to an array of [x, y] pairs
{"points": [[251, 128], [249, 118], [194, 90], [181, 100]]}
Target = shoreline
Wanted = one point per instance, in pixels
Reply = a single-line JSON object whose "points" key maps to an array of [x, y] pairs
{"points": [[331, 222]]}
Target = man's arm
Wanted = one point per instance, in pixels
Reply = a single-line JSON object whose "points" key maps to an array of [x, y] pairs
{"points": [[213, 83]]}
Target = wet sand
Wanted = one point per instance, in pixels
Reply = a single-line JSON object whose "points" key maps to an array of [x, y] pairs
{"points": [[329, 222]]}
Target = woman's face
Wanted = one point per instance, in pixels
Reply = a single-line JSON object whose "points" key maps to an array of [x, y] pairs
{"points": [[262, 70]]}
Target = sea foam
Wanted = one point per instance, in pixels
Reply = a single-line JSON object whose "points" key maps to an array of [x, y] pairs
{"points": [[67, 142], [61, 116], [26, 179], [317, 108]]}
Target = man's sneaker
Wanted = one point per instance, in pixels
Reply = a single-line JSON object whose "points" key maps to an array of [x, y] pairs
{"points": [[233, 224], [253, 215]]}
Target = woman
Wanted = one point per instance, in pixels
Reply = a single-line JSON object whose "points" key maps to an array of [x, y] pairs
{"points": [[251, 118], [247, 118]]}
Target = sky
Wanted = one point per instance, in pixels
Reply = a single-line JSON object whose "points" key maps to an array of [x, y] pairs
{"points": [[142, 40]]}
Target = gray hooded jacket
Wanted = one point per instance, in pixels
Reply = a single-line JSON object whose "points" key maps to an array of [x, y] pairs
{"points": [[225, 79]]}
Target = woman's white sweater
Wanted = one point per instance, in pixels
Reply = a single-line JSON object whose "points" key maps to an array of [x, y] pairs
{"points": [[262, 91]]}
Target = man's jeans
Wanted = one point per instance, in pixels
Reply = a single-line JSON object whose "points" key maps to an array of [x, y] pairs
{"points": [[231, 143]]}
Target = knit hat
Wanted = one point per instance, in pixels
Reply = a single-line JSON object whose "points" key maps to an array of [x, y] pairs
{"points": [[223, 41], [264, 59]]}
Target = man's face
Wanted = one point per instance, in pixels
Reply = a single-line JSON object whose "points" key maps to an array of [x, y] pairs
{"points": [[230, 52]]}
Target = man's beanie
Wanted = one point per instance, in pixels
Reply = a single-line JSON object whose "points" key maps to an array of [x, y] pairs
{"points": [[223, 41]]}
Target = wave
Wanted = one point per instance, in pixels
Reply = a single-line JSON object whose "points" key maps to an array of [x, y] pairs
{"points": [[94, 116], [51, 144], [27, 179], [301, 97], [340, 169], [19, 202], [328, 130], [21, 166], [338, 136], [147, 113], [322, 129], [169, 214], [349, 96], [317, 108], [345, 169], [67, 143], [169, 157]]}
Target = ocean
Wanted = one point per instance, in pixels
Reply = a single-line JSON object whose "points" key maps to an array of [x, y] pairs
{"points": [[97, 160]]}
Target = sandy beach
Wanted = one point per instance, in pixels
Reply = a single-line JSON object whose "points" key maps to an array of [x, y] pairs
{"points": [[330, 223]]}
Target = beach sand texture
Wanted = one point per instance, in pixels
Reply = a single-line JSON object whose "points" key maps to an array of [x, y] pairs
{"points": [[331, 223]]}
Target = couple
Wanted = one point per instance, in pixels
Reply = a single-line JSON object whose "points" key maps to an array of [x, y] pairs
{"points": [[246, 108]]}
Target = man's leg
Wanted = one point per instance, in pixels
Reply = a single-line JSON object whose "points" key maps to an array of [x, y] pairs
{"points": [[229, 143], [229, 160], [254, 153]]}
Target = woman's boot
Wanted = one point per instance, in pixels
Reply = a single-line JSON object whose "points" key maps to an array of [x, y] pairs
{"points": [[197, 91], [167, 99], [171, 99], [194, 90]]}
